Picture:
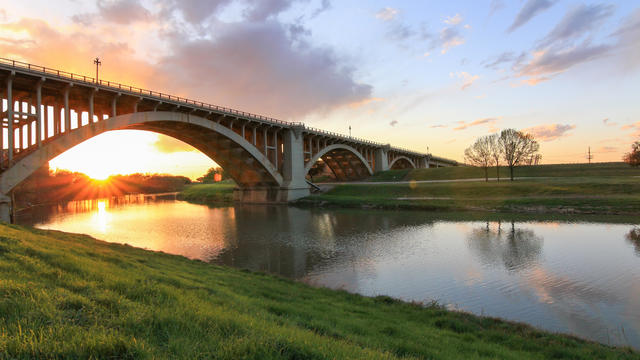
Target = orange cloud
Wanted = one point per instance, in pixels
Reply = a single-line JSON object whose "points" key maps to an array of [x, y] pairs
{"points": [[463, 125], [549, 132]]}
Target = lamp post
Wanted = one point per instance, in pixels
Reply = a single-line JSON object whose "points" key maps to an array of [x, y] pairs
{"points": [[98, 63], [349, 130]]}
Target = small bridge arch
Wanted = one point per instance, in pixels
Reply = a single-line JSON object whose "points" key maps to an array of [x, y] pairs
{"points": [[345, 162], [402, 162]]}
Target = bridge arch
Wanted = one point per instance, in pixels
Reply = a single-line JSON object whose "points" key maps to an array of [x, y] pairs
{"points": [[243, 161], [344, 161], [402, 162]]}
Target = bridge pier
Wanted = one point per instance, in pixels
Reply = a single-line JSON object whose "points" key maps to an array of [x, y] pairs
{"points": [[293, 186], [382, 158], [6, 209]]}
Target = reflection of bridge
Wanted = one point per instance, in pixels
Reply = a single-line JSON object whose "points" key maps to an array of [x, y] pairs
{"points": [[49, 111]]}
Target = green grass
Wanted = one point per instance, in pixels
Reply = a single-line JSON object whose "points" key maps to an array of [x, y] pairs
{"points": [[206, 193], [70, 296], [599, 195], [470, 172]]}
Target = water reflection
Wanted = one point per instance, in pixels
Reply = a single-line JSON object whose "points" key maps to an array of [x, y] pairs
{"points": [[634, 238], [514, 248], [580, 278]]}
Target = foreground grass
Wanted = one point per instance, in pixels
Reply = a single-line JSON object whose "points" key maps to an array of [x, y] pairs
{"points": [[203, 193], [69, 296], [590, 195], [470, 172]]}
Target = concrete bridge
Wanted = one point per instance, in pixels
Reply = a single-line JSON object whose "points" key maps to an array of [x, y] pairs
{"points": [[46, 112]]}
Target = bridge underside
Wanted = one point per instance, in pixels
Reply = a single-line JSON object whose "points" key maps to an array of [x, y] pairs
{"points": [[345, 165], [243, 168]]}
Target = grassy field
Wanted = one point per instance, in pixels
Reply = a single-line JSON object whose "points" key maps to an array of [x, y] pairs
{"points": [[70, 296], [588, 195], [203, 193], [469, 172]]}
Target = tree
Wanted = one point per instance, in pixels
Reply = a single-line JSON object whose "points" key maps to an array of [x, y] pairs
{"points": [[479, 154], [516, 147], [209, 177], [633, 158], [496, 152]]}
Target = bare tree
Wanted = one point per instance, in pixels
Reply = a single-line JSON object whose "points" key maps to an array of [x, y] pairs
{"points": [[496, 152], [633, 158], [479, 154], [517, 147]]}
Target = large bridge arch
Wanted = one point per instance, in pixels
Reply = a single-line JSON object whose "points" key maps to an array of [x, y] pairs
{"points": [[244, 162], [402, 162], [344, 161]]}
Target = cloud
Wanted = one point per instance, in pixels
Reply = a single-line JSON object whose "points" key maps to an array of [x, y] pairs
{"points": [[259, 67], [453, 20], [556, 61], [448, 38], [467, 79], [464, 125], [387, 14], [123, 11], [324, 6], [167, 145], [608, 122], [530, 9], [534, 80], [635, 127], [393, 123], [194, 11], [549, 132], [578, 22], [437, 126], [364, 102], [628, 44], [400, 32]]}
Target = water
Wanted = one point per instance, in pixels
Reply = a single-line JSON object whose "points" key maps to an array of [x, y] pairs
{"points": [[575, 277]]}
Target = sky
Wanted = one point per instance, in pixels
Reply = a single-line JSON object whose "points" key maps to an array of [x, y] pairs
{"points": [[422, 75]]}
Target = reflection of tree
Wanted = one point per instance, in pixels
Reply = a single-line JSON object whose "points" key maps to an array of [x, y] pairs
{"points": [[515, 249], [634, 238]]}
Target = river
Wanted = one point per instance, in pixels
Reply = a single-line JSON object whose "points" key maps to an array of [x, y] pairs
{"points": [[573, 275]]}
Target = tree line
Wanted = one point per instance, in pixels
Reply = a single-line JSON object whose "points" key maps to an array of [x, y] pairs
{"points": [[511, 146], [46, 186]]}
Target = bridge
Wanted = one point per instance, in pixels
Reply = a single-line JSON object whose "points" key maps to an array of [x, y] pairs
{"points": [[46, 111]]}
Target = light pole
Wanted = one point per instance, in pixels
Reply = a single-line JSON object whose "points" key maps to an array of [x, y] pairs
{"points": [[349, 130], [98, 63]]}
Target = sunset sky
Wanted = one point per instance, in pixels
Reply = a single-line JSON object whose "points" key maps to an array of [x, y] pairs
{"points": [[415, 74]]}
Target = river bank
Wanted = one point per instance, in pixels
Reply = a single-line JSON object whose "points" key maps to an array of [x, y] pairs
{"points": [[68, 295], [597, 195]]}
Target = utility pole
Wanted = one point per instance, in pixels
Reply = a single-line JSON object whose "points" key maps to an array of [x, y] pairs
{"points": [[349, 130], [98, 63], [589, 156]]}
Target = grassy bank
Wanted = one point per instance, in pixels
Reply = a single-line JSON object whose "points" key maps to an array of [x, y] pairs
{"points": [[207, 193], [70, 296], [469, 172], [587, 195]]}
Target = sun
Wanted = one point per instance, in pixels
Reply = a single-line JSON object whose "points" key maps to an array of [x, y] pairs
{"points": [[97, 173]]}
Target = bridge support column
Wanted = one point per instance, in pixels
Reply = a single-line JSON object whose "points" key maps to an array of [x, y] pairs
{"points": [[382, 161], [293, 174], [6, 209]]}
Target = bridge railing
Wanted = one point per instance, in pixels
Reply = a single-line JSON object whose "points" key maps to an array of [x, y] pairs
{"points": [[138, 91]]}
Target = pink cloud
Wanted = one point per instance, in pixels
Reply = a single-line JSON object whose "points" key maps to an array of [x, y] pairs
{"points": [[464, 125], [549, 132]]}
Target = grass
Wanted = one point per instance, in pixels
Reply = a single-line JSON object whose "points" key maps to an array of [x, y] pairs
{"points": [[70, 296], [589, 194], [469, 172], [208, 193]]}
